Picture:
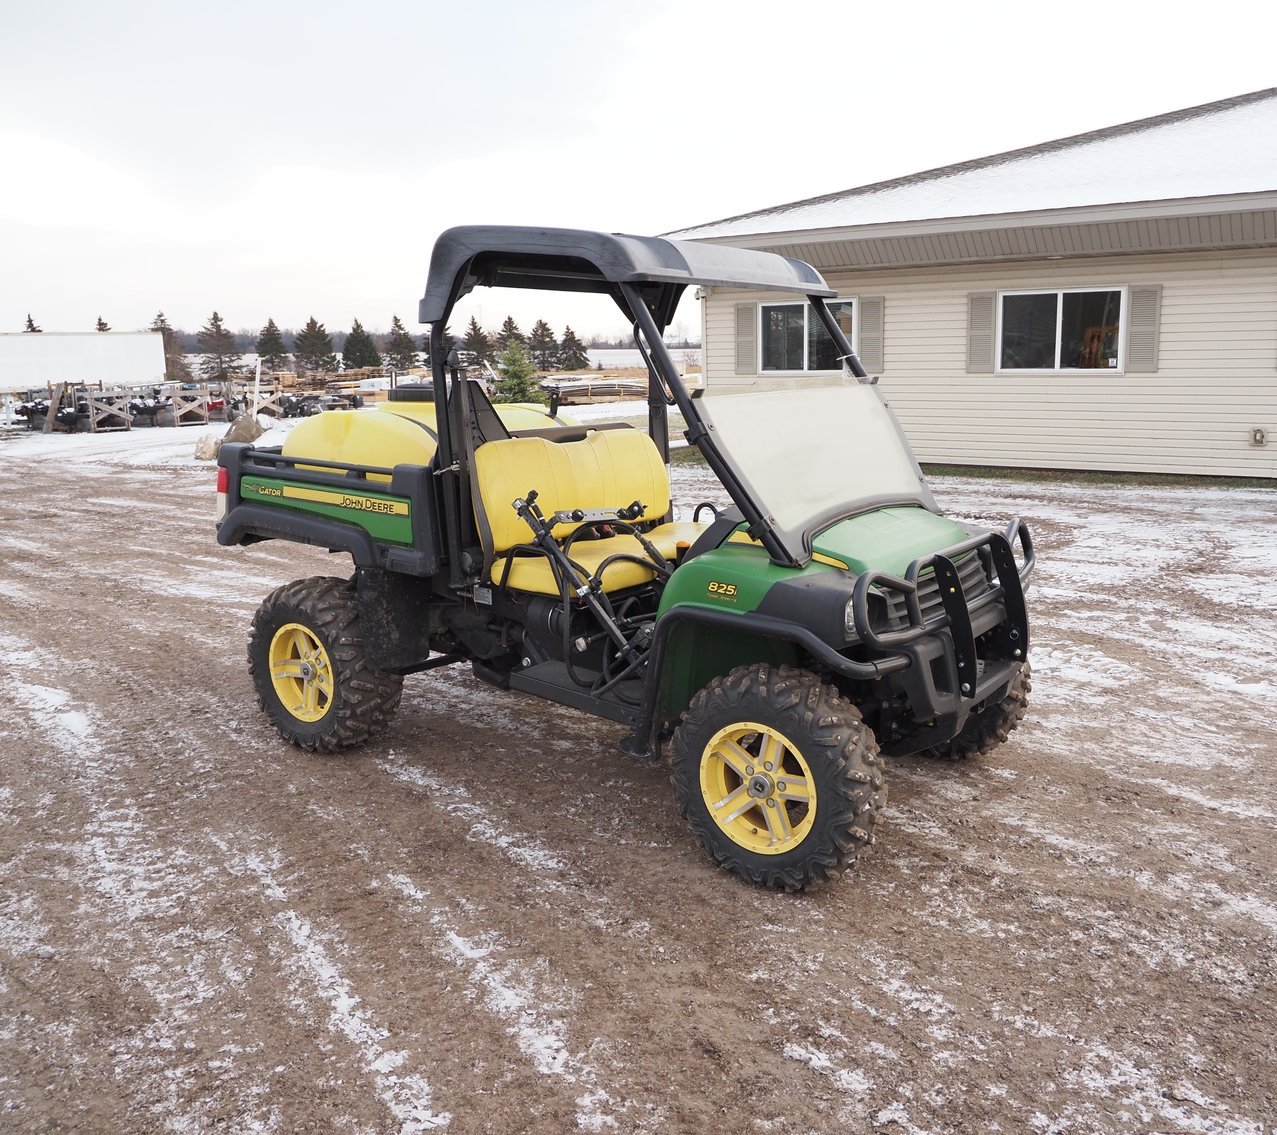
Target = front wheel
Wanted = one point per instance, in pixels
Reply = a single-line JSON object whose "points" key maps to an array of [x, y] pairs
{"points": [[778, 776], [309, 667]]}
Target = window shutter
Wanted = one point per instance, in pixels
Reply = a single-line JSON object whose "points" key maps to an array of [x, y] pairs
{"points": [[980, 332], [747, 338], [1142, 329], [869, 315]]}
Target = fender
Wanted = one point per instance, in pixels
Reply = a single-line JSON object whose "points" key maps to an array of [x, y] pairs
{"points": [[764, 628], [249, 523]]}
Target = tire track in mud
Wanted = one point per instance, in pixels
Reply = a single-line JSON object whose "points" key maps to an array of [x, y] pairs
{"points": [[889, 1108], [109, 868], [1093, 1050], [118, 859], [570, 915], [316, 965], [144, 882]]}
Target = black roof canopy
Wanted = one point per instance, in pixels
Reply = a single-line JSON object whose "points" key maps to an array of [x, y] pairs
{"points": [[473, 256]]}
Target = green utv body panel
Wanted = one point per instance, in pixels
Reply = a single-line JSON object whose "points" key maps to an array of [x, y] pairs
{"points": [[732, 577], [735, 577], [888, 540], [385, 518]]}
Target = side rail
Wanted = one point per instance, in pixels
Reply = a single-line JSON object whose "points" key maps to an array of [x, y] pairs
{"points": [[390, 522], [956, 609]]}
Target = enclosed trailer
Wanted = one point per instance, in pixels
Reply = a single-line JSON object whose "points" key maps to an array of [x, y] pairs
{"points": [[35, 360]]}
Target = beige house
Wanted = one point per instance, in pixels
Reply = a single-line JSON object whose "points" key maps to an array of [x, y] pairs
{"points": [[1106, 301]]}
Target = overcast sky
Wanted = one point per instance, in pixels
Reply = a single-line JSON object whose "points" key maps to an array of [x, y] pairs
{"points": [[284, 159]]}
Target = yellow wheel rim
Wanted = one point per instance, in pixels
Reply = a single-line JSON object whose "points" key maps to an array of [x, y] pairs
{"points": [[758, 788], [301, 672]]}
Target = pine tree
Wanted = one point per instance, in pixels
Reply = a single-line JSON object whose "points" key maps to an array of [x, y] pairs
{"points": [[572, 354], [270, 347], [313, 348], [221, 360], [477, 341], [401, 351], [31, 324], [543, 346], [359, 350], [516, 383], [176, 368], [103, 325], [508, 334]]}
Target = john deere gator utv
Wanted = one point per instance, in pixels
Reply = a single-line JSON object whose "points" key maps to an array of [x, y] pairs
{"points": [[775, 648]]}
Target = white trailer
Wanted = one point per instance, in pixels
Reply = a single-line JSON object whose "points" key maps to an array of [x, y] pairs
{"points": [[36, 360]]}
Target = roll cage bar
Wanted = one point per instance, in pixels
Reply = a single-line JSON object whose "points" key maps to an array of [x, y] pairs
{"points": [[646, 277]]}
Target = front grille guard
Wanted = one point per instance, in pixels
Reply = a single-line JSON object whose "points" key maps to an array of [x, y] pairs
{"points": [[956, 610]]}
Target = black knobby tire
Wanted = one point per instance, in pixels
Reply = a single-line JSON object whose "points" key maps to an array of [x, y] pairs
{"points": [[986, 730], [824, 732], [356, 702]]}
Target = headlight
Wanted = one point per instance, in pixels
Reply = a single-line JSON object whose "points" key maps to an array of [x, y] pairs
{"points": [[849, 618]]}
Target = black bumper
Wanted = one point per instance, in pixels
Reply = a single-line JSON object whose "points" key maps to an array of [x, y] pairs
{"points": [[962, 655]]}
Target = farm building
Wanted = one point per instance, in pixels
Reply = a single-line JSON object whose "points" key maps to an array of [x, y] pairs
{"points": [[1104, 301], [30, 361]]}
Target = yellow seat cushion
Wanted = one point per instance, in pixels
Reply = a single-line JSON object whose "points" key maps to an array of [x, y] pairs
{"points": [[629, 469], [675, 537]]}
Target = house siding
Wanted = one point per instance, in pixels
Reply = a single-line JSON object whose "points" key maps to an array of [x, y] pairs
{"points": [[1216, 376]]}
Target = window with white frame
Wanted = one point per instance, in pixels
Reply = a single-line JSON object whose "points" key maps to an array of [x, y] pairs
{"points": [[1064, 329], [794, 339]]}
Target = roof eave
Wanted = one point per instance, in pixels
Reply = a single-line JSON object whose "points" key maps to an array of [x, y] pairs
{"points": [[1086, 214], [1240, 221]]}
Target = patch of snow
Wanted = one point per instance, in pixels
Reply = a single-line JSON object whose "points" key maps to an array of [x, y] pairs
{"points": [[22, 930], [812, 1057], [52, 702], [12, 589], [1228, 807], [1110, 1075], [527, 1005], [1248, 686], [896, 1115], [407, 1097]]}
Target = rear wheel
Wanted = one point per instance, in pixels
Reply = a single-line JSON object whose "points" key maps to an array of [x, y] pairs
{"points": [[309, 667], [778, 776]]}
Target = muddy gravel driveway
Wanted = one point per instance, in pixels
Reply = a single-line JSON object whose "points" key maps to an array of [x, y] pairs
{"points": [[492, 921]]}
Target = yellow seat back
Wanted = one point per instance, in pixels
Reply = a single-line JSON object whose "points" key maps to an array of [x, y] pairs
{"points": [[609, 469], [507, 470], [629, 469]]}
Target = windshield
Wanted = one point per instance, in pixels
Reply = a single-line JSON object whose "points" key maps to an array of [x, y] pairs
{"points": [[808, 457]]}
